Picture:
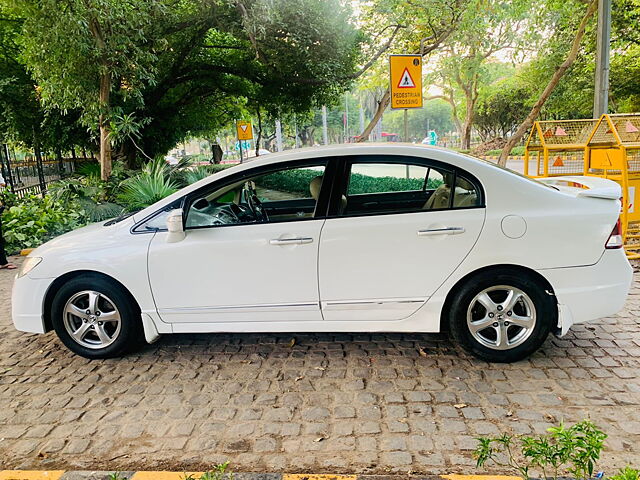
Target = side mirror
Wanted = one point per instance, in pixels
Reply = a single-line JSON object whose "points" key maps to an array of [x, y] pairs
{"points": [[175, 226]]}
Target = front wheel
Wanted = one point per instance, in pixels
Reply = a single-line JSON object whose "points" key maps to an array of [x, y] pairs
{"points": [[96, 318], [502, 317]]}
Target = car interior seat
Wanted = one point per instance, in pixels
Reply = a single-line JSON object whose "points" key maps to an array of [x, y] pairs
{"points": [[465, 194], [314, 188]]}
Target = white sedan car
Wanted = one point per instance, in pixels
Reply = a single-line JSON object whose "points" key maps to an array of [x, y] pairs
{"points": [[361, 238]]}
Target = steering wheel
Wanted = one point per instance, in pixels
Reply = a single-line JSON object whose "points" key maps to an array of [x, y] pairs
{"points": [[254, 203]]}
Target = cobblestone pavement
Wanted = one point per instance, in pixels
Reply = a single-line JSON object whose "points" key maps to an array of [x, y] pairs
{"points": [[329, 402]]}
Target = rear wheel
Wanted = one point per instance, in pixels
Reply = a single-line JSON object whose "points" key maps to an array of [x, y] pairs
{"points": [[502, 316], [96, 318]]}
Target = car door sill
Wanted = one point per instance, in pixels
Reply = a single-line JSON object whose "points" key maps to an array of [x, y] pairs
{"points": [[241, 308], [370, 303]]}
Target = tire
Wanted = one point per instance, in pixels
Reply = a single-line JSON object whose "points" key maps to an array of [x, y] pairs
{"points": [[492, 326], [96, 318]]}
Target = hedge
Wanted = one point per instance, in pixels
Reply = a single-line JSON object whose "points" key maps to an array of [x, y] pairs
{"points": [[297, 182]]}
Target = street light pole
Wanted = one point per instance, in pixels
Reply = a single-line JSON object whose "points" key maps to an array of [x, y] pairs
{"points": [[603, 47], [278, 135], [325, 133]]}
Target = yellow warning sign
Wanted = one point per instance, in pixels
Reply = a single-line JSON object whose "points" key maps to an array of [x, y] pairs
{"points": [[245, 132], [406, 81]]}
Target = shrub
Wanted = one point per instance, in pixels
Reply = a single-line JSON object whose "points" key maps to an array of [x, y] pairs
{"points": [[297, 182], [89, 169], [564, 449], [626, 473], [144, 190], [515, 151], [33, 220], [198, 157], [218, 472], [292, 181], [88, 195], [365, 184], [189, 175]]}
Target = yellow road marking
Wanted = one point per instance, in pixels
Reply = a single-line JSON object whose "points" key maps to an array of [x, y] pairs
{"points": [[480, 477], [304, 476], [30, 474], [164, 475]]}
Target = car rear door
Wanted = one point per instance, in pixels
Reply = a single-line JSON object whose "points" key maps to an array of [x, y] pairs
{"points": [[394, 235]]}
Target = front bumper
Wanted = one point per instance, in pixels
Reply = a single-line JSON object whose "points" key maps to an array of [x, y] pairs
{"points": [[591, 292], [27, 303]]}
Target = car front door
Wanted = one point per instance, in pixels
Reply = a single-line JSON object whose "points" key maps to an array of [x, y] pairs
{"points": [[399, 227], [249, 253]]}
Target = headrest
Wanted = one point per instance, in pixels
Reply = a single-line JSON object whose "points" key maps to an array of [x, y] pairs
{"points": [[463, 183], [314, 186]]}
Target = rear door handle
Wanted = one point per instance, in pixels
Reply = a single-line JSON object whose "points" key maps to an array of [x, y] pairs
{"points": [[290, 241], [441, 231]]}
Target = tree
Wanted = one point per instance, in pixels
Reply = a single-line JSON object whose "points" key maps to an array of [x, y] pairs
{"points": [[426, 25], [524, 127], [464, 62], [80, 51], [186, 67], [22, 117], [435, 115], [501, 107]]}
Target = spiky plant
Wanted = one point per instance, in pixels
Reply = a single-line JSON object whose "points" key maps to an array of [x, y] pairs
{"points": [[146, 188]]}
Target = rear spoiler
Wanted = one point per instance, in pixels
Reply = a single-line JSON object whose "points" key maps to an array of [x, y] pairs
{"points": [[582, 186]]}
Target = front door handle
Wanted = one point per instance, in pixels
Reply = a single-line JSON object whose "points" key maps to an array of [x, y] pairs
{"points": [[290, 241], [441, 231]]}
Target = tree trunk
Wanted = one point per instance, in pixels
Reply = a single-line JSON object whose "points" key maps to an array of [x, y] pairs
{"points": [[555, 79], [382, 106], [127, 154], [465, 134], [105, 143], [259, 132]]}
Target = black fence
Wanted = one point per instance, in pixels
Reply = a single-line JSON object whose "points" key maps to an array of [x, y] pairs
{"points": [[31, 172]]}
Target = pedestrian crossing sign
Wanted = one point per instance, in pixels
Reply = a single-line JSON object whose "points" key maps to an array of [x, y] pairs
{"points": [[406, 81]]}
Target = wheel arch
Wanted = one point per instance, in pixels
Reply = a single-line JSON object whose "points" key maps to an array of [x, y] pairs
{"points": [[511, 268], [61, 280]]}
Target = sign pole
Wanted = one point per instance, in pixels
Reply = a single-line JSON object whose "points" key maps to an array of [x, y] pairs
{"points": [[406, 134]]}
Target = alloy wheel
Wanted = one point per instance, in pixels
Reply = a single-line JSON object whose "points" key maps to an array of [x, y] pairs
{"points": [[501, 317], [92, 319]]}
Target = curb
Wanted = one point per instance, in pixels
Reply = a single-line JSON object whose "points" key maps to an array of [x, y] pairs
{"points": [[165, 475]]}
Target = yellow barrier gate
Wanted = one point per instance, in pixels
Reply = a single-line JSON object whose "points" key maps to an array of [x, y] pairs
{"points": [[608, 147], [558, 147]]}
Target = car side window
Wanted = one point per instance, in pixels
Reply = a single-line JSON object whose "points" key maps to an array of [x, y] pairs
{"points": [[399, 187], [287, 194]]}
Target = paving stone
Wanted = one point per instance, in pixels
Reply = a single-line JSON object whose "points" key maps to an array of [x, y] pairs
{"points": [[252, 399]]}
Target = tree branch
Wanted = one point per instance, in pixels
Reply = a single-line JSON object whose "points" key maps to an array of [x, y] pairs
{"points": [[553, 82]]}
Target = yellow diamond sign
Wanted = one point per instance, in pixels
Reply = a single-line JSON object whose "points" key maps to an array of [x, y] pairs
{"points": [[406, 81]]}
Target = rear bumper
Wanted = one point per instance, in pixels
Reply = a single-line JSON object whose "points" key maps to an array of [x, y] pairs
{"points": [[27, 303], [592, 292]]}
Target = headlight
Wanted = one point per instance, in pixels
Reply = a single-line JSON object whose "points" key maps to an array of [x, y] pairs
{"points": [[29, 264]]}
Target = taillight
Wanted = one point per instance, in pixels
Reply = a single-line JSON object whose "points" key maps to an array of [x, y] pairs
{"points": [[615, 239]]}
